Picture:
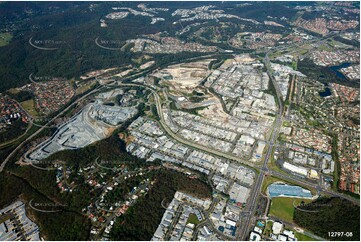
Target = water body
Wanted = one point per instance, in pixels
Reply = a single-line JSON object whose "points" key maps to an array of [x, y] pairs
{"points": [[336, 69], [284, 190], [326, 92]]}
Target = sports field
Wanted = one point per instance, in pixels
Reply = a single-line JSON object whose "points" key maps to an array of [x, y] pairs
{"points": [[283, 207]]}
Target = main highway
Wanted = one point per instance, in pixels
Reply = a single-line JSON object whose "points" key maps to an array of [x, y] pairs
{"points": [[252, 200], [242, 233], [249, 210]]}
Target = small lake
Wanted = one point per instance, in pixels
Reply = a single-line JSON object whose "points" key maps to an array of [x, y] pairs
{"points": [[326, 92], [336, 69]]}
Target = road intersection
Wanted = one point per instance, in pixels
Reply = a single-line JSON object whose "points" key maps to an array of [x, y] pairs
{"points": [[262, 169]]}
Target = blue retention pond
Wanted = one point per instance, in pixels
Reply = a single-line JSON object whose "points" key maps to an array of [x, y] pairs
{"points": [[284, 190]]}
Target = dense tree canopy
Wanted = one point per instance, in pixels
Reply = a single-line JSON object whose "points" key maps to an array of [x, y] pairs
{"points": [[333, 215]]}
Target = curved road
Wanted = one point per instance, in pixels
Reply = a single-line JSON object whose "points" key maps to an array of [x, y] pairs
{"points": [[3, 164], [182, 140], [251, 205]]}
